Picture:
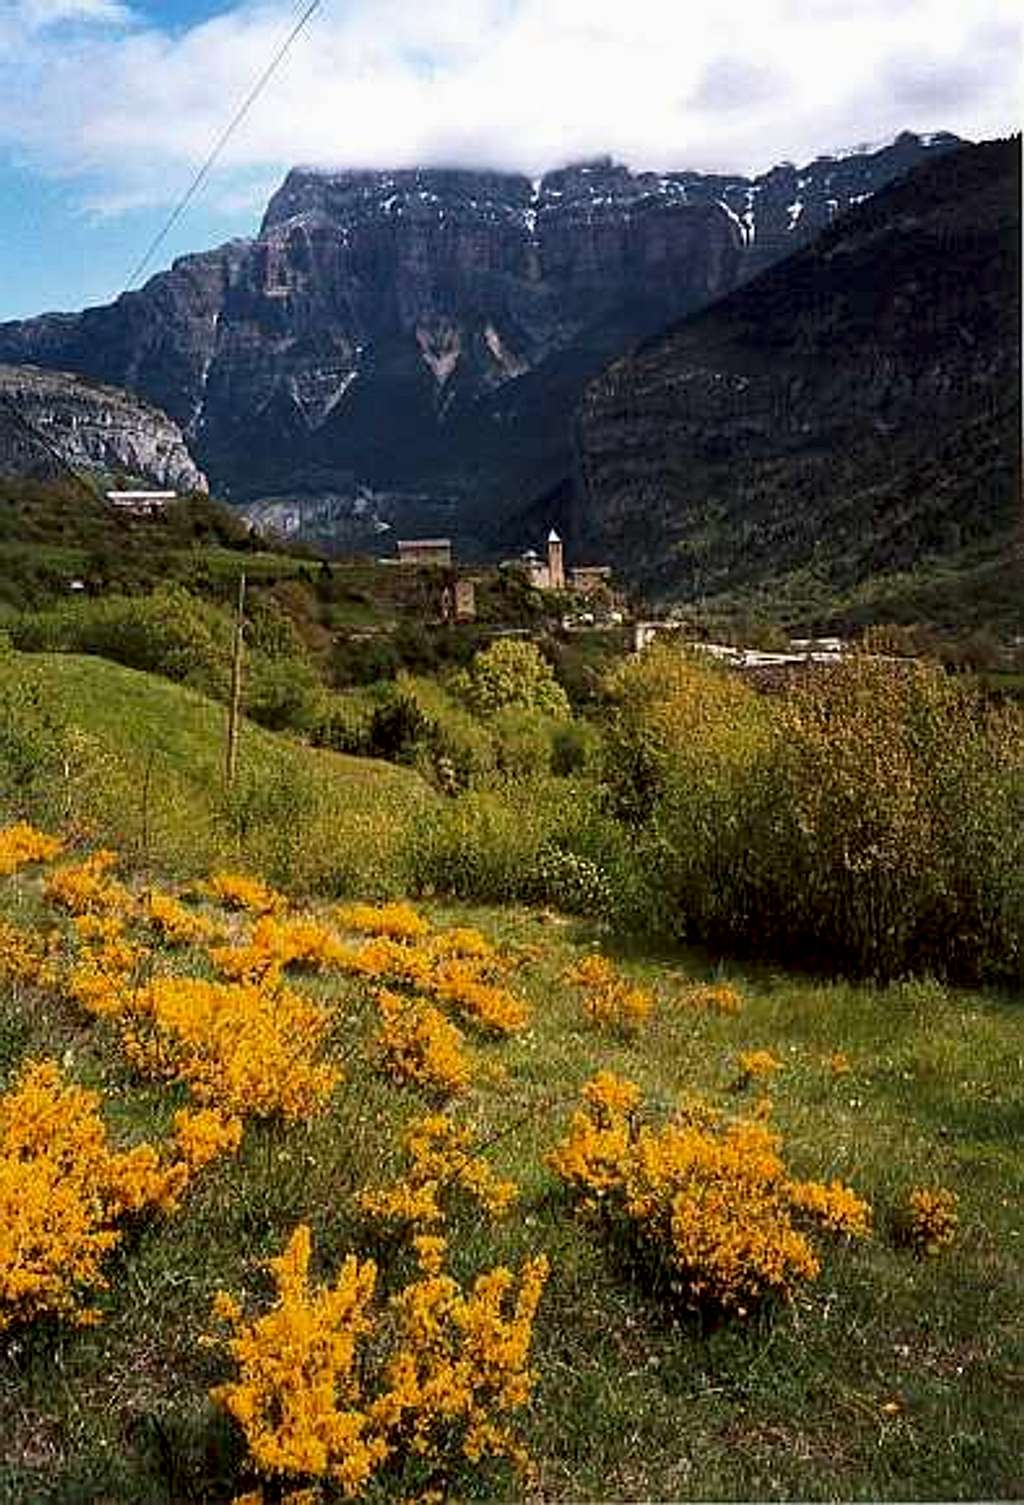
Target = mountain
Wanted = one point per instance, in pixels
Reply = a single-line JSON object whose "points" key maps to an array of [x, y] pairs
{"points": [[851, 416], [427, 333], [51, 421]]}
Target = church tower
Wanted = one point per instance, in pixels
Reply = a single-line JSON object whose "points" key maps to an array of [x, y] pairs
{"points": [[556, 563]]}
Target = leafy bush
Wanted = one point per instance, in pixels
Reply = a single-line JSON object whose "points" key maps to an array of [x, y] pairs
{"points": [[512, 672], [168, 632], [870, 818], [173, 633], [418, 722]]}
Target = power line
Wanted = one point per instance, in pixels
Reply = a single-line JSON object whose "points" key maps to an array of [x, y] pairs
{"points": [[23, 423], [223, 139]]}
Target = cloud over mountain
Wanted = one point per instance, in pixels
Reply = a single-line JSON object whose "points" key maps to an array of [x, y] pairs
{"points": [[91, 88]]}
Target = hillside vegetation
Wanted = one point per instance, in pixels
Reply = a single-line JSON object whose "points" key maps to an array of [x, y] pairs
{"points": [[308, 1194], [370, 1202]]}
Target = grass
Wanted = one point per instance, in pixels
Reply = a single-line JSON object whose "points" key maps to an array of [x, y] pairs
{"points": [[147, 761], [890, 1378]]}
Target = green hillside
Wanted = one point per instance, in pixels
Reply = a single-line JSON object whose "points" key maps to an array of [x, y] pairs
{"points": [[139, 761]]}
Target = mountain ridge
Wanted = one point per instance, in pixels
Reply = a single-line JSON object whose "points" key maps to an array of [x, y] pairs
{"points": [[847, 414], [430, 330]]}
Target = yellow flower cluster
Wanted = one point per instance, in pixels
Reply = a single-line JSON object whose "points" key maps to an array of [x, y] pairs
{"points": [[204, 1135], [930, 1222], [461, 1362], [236, 891], [714, 998], [758, 1064], [26, 957], [22, 844], [834, 1208], [609, 999], [108, 963], [711, 1200], [457, 967], [297, 1398], [462, 982], [399, 922], [279, 943], [240, 1048], [62, 1190], [441, 1163], [449, 1368], [87, 887], [175, 925], [419, 1045]]}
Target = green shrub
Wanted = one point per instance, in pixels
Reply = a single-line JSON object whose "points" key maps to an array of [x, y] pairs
{"points": [[168, 632], [418, 722], [512, 672], [345, 721], [870, 819], [524, 741], [34, 752]]}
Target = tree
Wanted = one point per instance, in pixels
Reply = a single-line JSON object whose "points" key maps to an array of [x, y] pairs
{"points": [[512, 672]]}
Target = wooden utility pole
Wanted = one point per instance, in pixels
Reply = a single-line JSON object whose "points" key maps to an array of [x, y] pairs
{"points": [[235, 702]]}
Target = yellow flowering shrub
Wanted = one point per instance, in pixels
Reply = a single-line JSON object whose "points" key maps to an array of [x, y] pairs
{"points": [[27, 957], [87, 888], [419, 1045], [709, 1199], [441, 1163], [834, 1207], [448, 1368], [205, 1134], [298, 1393], [382, 959], [175, 924], [608, 998], [237, 891], [458, 980], [714, 998], [63, 1188], [838, 1063], [107, 964], [929, 1222], [757, 1064], [592, 1157], [461, 1360], [399, 922], [279, 943], [461, 940], [22, 844], [244, 1049]]}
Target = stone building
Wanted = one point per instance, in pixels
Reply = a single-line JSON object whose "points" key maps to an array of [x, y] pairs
{"points": [[549, 573], [425, 551]]}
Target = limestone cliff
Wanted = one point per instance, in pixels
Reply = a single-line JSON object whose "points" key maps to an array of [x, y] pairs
{"points": [[50, 418]]}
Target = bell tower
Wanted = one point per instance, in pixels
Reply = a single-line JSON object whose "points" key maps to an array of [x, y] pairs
{"points": [[556, 562]]}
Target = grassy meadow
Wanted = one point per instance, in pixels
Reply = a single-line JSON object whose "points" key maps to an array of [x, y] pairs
{"points": [[895, 1374], [600, 1011]]}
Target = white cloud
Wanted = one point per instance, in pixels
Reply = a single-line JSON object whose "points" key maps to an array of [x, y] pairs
{"points": [[31, 16], [511, 83]]}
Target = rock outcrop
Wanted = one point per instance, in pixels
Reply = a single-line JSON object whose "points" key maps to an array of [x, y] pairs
{"points": [[50, 420]]}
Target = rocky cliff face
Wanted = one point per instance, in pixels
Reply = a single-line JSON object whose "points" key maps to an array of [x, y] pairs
{"points": [[432, 330], [49, 419], [853, 410]]}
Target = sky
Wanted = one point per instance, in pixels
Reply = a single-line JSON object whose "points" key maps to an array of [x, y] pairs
{"points": [[108, 107]]}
